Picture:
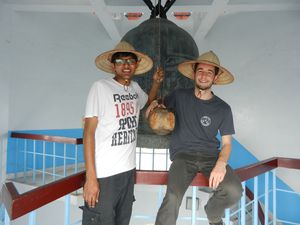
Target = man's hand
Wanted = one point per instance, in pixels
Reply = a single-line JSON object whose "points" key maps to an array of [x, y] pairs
{"points": [[157, 79], [217, 174], [159, 75], [154, 104], [91, 192]]}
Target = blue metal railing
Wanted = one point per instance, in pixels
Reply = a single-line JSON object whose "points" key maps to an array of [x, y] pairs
{"points": [[36, 164], [30, 156]]}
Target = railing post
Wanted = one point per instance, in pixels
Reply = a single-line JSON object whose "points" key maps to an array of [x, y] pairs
{"points": [[76, 158], [54, 161], [25, 158], [227, 216], [34, 162], [167, 158], [243, 204], [160, 196], [255, 201], [267, 198], [153, 155], [194, 193], [140, 158], [65, 159], [44, 162], [6, 218], [32, 218], [67, 209], [16, 158], [274, 198]]}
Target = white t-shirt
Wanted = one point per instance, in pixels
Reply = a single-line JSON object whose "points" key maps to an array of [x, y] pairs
{"points": [[117, 108]]}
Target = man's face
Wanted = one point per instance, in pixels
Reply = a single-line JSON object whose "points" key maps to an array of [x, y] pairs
{"points": [[204, 76], [124, 68]]}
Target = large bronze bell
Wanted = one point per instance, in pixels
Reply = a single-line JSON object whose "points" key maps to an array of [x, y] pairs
{"points": [[168, 45]]}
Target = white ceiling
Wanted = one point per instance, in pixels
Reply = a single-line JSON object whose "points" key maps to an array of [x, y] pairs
{"points": [[111, 13]]}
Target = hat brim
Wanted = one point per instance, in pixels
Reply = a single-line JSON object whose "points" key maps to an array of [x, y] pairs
{"points": [[102, 61], [187, 69]]}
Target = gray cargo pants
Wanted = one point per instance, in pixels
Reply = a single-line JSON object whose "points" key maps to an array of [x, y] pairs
{"points": [[115, 201], [182, 171]]}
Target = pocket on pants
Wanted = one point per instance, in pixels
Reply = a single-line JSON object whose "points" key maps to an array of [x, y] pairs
{"points": [[90, 217]]}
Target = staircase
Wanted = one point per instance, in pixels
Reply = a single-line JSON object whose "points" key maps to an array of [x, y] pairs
{"points": [[38, 191]]}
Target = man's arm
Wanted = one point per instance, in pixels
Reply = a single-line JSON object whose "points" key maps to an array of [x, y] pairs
{"points": [[91, 187], [219, 171], [157, 79]]}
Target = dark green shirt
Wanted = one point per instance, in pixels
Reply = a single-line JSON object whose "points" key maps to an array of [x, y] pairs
{"points": [[198, 122]]}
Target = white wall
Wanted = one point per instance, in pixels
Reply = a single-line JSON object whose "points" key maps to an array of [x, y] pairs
{"points": [[52, 58], [263, 52], [5, 58]]}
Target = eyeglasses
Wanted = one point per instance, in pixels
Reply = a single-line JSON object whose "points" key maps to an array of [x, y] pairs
{"points": [[120, 62]]}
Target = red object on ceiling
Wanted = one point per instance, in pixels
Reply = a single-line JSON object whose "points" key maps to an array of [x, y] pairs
{"points": [[133, 15], [182, 15]]}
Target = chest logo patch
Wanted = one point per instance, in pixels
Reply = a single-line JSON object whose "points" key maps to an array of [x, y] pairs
{"points": [[205, 121]]}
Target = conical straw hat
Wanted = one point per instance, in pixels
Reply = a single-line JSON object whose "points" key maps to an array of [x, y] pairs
{"points": [[103, 61], [210, 58]]}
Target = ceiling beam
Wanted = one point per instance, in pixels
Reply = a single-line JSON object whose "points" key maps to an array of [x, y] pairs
{"points": [[174, 8], [216, 10], [76, 7], [106, 19], [203, 17]]}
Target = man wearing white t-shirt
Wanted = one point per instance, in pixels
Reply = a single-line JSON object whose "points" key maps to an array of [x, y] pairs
{"points": [[110, 134]]}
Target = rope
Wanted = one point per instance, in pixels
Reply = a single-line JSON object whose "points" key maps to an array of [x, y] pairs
{"points": [[159, 47]]}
